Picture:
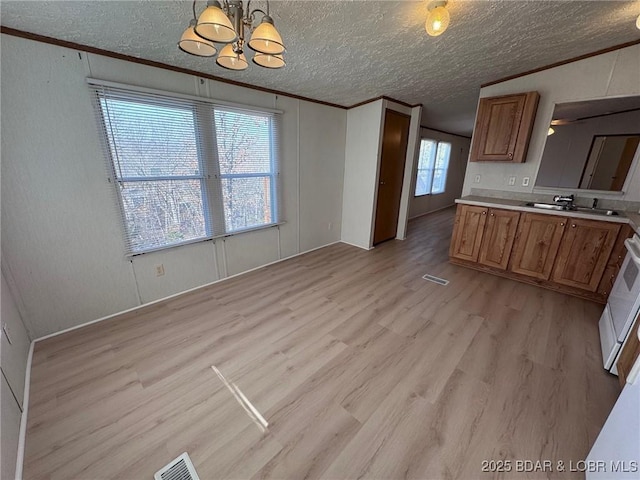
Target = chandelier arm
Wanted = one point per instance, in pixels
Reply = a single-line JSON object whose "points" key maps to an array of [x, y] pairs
{"points": [[195, 17]]}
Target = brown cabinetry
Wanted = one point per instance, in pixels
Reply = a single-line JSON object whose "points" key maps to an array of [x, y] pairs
{"points": [[467, 232], [503, 128], [497, 240], [572, 255], [537, 244], [584, 252]]}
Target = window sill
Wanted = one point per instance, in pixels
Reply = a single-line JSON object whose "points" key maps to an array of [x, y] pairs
{"points": [[205, 239]]}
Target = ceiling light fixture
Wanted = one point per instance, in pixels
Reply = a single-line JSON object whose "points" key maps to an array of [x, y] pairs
{"points": [[225, 23], [551, 131], [437, 18], [638, 22]]}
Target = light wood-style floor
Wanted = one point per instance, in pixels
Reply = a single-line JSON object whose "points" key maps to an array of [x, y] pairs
{"points": [[361, 368]]}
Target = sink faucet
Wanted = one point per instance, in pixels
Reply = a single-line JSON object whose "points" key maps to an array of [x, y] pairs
{"points": [[567, 200]]}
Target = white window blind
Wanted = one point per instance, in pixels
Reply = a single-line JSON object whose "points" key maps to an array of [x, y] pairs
{"points": [[433, 164], [188, 170]]}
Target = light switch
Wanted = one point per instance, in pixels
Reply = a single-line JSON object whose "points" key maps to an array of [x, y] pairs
{"points": [[525, 181], [512, 180], [477, 179]]}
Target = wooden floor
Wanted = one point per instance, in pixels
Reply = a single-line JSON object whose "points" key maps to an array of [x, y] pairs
{"points": [[361, 368]]}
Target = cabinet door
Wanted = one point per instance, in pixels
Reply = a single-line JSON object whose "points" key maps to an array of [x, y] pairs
{"points": [[537, 243], [467, 232], [498, 238], [503, 128], [584, 252]]}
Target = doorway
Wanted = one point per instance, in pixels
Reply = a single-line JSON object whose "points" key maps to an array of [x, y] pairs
{"points": [[395, 138]]}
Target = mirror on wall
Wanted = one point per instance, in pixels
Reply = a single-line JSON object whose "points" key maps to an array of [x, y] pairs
{"points": [[591, 145]]}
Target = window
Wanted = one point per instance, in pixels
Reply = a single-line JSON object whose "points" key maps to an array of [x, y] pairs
{"points": [[433, 164], [188, 170]]}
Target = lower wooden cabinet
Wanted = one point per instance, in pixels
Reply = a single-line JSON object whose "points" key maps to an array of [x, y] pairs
{"points": [[498, 237], [576, 256], [584, 252], [467, 232], [537, 244]]}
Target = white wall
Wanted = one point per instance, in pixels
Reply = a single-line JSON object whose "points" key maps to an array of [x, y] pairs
{"points": [[363, 141], [61, 233], [611, 74], [455, 176]]}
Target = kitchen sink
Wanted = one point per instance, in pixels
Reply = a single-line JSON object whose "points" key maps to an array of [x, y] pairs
{"points": [[597, 211], [555, 206], [548, 206]]}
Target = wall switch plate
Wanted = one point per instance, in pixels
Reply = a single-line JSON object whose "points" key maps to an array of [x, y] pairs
{"points": [[159, 270], [525, 181], [477, 179], [512, 180]]}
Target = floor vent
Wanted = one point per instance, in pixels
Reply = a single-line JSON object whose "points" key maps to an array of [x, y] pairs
{"points": [[179, 469], [438, 280]]}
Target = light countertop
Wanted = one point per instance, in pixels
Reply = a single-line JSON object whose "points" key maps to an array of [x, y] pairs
{"points": [[632, 218]]}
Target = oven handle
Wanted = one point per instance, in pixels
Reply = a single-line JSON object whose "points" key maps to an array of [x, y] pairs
{"points": [[633, 249]]}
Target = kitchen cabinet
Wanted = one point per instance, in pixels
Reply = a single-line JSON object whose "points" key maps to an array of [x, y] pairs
{"points": [[503, 128], [467, 232], [577, 256], [537, 243], [584, 253], [629, 354], [498, 237], [615, 261]]}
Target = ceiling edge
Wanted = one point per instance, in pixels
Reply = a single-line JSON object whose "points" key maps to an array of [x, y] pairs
{"points": [[563, 62], [152, 63]]}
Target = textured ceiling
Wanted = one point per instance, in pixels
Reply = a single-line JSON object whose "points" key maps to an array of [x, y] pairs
{"points": [[345, 52]]}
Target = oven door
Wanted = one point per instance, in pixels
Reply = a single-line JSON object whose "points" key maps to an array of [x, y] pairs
{"points": [[624, 300]]}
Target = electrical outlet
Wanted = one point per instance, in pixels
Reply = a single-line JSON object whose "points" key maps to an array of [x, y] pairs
{"points": [[512, 180], [477, 179], [525, 181], [159, 270]]}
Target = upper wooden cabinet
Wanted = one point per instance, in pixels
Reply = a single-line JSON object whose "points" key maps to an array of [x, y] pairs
{"points": [[584, 252], [497, 241], [467, 232], [537, 244], [503, 128]]}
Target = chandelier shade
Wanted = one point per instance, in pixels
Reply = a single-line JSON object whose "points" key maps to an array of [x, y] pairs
{"points": [[269, 61], [229, 59], [266, 39], [194, 44], [215, 26]]}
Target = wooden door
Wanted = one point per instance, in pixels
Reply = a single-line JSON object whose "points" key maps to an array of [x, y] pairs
{"points": [[537, 243], [395, 138], [584, 253], [498, 238], [503, 127], [467, 232]]}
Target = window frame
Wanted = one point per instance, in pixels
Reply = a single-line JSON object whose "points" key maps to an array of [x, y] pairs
{"points": [[209, 176], [433, 169]]}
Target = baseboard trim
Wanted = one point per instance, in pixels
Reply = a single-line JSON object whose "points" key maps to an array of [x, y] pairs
{"points": [[357, 246], [432, 211], [170, 297], [22, 437]]}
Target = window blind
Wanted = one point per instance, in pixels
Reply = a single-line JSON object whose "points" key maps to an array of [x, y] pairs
{"points": [[187, 170]]}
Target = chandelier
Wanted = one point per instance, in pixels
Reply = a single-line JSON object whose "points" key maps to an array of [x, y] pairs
{"points": [[225, 24]]}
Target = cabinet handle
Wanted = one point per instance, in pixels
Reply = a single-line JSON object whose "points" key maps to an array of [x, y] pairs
{"points": [[562, 224], [484, 213], [573, 225], [510, 154], [493, 214]]}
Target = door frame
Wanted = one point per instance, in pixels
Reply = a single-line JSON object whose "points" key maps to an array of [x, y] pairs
{"points": [[385, 107]]}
